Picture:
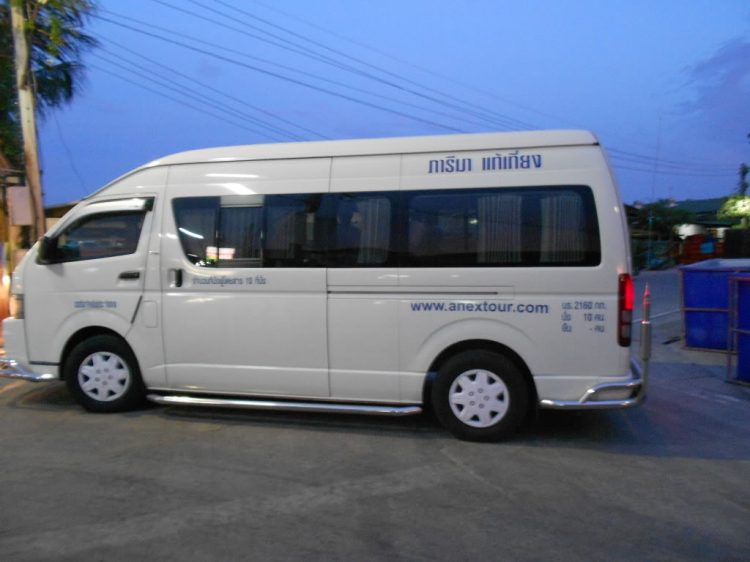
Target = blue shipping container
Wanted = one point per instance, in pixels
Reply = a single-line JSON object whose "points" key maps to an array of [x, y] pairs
{"points": [[705, 301], [742, 309]]}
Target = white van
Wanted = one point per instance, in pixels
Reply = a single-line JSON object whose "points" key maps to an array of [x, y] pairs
{"points": [[480, 274]]}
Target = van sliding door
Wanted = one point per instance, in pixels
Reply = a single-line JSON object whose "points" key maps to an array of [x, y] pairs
{"points": [[363, 328], [243, 282]]}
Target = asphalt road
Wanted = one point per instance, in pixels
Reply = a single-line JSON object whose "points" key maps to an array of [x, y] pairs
{"points": [[665, 292], [667, 481]]}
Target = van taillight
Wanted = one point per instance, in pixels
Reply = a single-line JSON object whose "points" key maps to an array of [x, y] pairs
{"points": [[626, 297]]}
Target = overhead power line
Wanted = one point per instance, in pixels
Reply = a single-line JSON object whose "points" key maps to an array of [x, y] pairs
{"points": [[673, 167], [177, 100], [511, 120], [496, 119], [285, 67], [187, 92], [194, 81], [670, 172], [667, 162], [670, 167], [463, 84], [460, 83], [71, 160], [280, 76]]}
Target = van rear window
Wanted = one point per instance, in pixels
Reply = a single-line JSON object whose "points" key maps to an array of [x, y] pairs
{"points": [[527, 227]]}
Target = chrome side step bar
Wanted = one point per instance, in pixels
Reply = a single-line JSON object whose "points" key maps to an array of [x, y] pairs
{"points": [[367, 409], [636, 386], [12, 369]]}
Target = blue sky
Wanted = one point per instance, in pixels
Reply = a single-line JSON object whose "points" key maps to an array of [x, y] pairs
{"points": [[638, 73]]}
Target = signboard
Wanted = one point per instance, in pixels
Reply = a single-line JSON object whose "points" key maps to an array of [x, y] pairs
{"points": [[19, 205]]}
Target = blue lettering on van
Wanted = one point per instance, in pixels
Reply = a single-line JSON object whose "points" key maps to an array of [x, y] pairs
{"points": [[217, 280], [510, 161], [520, 308], [222, 281], [95, 304], [450, 164]]}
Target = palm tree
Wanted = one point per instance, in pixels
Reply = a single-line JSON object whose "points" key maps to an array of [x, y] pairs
{"points": [[57, 42]]}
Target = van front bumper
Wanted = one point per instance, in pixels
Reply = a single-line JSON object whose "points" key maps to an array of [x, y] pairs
{"points": [[628, 393], [11, 368], [17, 365]]}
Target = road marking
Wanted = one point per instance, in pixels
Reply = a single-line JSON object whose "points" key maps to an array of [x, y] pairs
{"points": [[658, 315], [11, 386], [723, 398]]}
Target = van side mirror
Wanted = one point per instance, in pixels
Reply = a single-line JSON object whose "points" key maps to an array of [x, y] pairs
{"points": [[47, 250]]}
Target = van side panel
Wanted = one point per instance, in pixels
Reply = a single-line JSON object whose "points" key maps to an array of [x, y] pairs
{"points": [[560, 320]]}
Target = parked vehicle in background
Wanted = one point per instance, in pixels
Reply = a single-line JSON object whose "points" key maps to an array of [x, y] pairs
{"points": [[483, 274]]}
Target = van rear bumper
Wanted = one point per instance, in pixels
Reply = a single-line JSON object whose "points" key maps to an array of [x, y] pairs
{"points": [[11, 368], [628, 393]]}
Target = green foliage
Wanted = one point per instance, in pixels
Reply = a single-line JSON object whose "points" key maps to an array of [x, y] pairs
{"points": [[661, 218], [10, 132], [57, 42], [736, 206]]}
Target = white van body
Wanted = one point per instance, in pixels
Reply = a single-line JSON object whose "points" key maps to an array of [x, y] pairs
{"points": [[293, 322]]}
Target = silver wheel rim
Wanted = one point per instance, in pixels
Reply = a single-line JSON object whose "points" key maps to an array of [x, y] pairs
{"points": [[479, 398], [104, 376]]}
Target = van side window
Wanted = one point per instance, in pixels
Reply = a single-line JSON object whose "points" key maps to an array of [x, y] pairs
{"points": [[502, 227], [363, 230], [443, 229], [239, 235], [298, 230], [484, 227], [242, 231], [101, 236], [197, 219]]}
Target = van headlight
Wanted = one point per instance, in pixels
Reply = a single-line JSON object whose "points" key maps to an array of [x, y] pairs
{"points": [[16, 307]]}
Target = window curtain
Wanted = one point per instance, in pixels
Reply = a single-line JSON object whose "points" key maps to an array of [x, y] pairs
{"points": [[563, 232], [375, 233], [285, 232], [499, 229], [240, 231]]}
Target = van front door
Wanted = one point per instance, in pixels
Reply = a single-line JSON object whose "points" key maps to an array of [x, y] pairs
{"points": [[93, 275], [244, 295]]}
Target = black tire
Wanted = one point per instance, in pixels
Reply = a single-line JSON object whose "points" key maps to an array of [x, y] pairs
{"points": [[503, 406], [108, 364]]}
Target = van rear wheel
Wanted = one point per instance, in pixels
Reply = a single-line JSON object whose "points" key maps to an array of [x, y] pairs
{"points": [[102, 374], [480, 396]]}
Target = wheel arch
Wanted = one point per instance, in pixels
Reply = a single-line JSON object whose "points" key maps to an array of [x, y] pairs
{"points": [[478, 345], [82, 335]]}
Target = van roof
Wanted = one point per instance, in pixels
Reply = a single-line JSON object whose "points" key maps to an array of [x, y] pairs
{"points": [[396, 145]]}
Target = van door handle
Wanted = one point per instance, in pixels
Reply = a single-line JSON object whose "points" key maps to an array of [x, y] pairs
{"points": [[130, 275], [175, 278]]}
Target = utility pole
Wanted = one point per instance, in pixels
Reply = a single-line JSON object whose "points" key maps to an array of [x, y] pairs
{"points": [[649, 254], [11, 234], [28, 118], [11, 231]]}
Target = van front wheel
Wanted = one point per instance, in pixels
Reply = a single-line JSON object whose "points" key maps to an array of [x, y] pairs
{"points": [[480, 396], [102, 375]]}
